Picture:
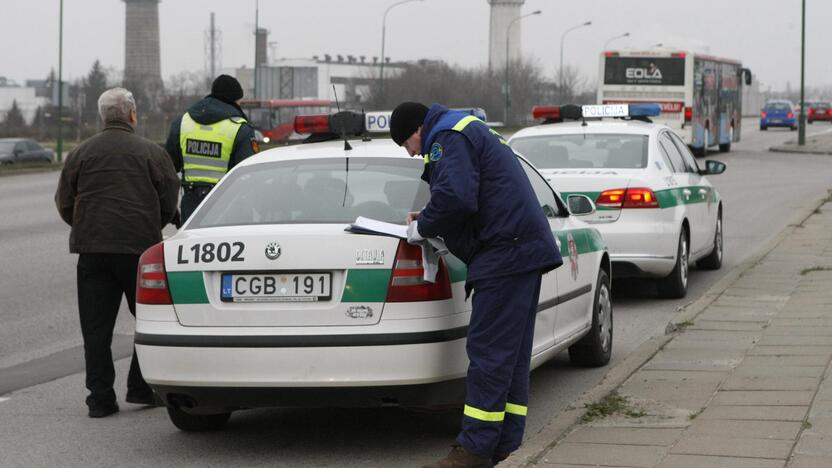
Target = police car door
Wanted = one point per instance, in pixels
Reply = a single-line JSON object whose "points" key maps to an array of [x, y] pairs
{"points": [[688, 190], [547, 311], [704, 206]]}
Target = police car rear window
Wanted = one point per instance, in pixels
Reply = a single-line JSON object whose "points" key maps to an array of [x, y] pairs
{"points": [[578, 151], [316, 191]]}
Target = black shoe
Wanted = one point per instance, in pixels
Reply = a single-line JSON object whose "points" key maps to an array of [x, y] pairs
{"points": [[102, 411], [148, 399]]}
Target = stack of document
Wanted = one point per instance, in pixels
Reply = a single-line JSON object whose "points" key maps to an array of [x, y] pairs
{"points": [[432, 248]]}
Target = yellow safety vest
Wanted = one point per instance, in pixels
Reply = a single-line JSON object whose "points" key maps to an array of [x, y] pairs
{"points": [[206, 149]]}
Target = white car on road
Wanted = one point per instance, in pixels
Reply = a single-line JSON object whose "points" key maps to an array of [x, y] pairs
{"points": [[655, 207], [263, 298]]}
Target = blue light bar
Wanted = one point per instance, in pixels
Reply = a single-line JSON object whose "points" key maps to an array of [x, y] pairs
{"points": [[645, 110], [477, 112]]}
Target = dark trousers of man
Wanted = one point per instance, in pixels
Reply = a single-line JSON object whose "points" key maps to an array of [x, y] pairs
{"points": [[499, 346], [191, 198], [102, 280]]}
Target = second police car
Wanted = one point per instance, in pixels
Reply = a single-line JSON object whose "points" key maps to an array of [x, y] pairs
{"points": [[263, 298], [654, 206]]}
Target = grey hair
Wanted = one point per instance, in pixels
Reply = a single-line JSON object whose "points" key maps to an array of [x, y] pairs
{"points": [[115, 105]]}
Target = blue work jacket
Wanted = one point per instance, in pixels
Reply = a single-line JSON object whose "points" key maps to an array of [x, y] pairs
{"points": [[481, 201]]}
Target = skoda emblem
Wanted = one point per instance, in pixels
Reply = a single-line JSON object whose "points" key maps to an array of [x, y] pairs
{"points": [[272, 250]]}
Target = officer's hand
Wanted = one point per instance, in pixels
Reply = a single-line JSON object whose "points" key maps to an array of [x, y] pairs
{"points": [[413, 236], [411, 216]]}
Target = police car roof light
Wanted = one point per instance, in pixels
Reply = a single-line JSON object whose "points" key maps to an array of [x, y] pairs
{"points": [[546, 112], [311, 124], [645, 110]]}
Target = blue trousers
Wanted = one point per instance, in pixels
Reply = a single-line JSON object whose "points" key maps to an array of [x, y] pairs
{"points": [[499, 347]]}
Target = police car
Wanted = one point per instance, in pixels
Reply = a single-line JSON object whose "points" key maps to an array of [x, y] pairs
{"points": [[264, 299], [653, 204]]}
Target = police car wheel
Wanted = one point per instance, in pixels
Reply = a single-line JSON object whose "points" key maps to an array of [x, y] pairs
{"points": [[197, 422], [714, 259], [675, 285], [595, 348]]}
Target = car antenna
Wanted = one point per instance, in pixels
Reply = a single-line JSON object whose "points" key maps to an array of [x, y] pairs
{"points": [[347, 147]]}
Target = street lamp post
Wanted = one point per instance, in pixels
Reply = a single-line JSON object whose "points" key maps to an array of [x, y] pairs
{"points": [[60, 146], [383, 35], [508, 35], [801, 126], [562, 37], [626, 34]]}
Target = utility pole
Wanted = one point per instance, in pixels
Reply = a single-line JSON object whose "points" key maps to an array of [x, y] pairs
{"points": [[60, 147], [256, 31], [801, 126], [213, 48]]}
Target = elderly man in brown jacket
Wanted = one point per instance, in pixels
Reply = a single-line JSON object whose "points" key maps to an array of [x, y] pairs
{"points": [[117, 191]]}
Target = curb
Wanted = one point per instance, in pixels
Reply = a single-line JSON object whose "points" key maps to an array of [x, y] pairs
{"points": [[533, 449], [31, 170], [789, 149]]}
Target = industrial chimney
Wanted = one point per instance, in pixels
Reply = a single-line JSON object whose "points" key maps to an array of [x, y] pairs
{"points": [[503, 12], [142, 70]]}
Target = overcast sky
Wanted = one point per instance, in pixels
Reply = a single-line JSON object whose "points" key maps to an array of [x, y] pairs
{"points": [[763, 34]]}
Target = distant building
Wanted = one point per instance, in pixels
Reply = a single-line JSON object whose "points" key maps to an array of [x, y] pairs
{"points": [[314, 78], [35, 94]]}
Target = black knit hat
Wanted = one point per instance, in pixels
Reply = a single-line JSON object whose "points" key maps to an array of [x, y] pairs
{"points": [[227, 88], [407, 117]]}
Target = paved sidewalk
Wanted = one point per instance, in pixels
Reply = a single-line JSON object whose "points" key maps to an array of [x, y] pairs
{"points": [[746, 383], [816, 143]]}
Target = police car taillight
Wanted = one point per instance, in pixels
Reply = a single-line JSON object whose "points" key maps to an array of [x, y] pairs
{"points": [[310, 124], [151, 278], [636, 197], [407, 282]]}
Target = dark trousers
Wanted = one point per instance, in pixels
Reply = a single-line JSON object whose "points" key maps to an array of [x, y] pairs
{"points": [[499, 347], [102, 280], [191, 198]]}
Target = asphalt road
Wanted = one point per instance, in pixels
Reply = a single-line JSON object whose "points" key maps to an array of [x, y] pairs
{"points": [[762, 191]]}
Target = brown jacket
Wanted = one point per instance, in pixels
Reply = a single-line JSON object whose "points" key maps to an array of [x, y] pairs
{"points": [[117, 191]]}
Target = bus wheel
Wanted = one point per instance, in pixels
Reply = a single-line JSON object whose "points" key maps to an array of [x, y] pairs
{"points": [[726, 147], [703, 151]]}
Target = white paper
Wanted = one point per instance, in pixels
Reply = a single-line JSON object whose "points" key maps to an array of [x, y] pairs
{"points": [[390, 229]]}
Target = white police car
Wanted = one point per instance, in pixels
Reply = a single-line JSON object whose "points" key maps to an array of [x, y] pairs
{"points": [[263, 299], [654, 206]]}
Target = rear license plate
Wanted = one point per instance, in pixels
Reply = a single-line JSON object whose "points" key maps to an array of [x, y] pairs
{"points": [[776, 120], [276, 287]]}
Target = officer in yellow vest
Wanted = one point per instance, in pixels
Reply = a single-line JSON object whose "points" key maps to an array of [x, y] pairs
{"points": [[211, 138]]}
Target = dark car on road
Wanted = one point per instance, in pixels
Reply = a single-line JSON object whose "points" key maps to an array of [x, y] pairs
{"points": [[20, 150], [819, 111], [778, 114]]}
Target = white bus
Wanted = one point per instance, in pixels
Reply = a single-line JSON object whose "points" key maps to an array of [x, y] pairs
{"points": [[700, 95]]}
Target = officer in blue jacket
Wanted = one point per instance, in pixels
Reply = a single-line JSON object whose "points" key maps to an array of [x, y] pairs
{"points": [[483, 206]]}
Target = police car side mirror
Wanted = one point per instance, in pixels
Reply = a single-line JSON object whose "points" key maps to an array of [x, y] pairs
{"points": [[713, 167], [580, 205]]}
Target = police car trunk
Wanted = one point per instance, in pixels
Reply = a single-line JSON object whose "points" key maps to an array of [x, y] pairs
{"points": [[264, 276]]}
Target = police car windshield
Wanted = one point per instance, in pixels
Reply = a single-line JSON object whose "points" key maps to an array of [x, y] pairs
{"points": [[579, 151], [312, 191]]}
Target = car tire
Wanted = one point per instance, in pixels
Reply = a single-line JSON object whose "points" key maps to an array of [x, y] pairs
{"points": [[675, 285], [763, 128], [811, 122], [726, 147], [794, 128], [197, 422], [714, 259], [595, 348]]}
